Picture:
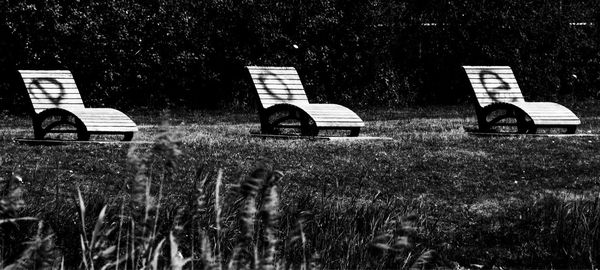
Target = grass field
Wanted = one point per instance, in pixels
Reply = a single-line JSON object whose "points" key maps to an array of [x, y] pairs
{"points": [[433, 194]]}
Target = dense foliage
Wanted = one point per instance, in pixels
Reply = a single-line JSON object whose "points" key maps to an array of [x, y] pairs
{"points": [[367, 52]]}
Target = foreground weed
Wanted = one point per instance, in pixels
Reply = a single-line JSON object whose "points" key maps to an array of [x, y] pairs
{"points": [[397, 245], [222, 226], [140, 244], [26, 242]]}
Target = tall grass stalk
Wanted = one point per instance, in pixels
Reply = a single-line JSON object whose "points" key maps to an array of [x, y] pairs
{"points": [[218, 210], [37, 249], [242, 229]]}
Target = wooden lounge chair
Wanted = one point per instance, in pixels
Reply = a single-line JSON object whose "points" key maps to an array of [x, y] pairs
{"points": [[501, 103], [58, 108], [284, 105]]}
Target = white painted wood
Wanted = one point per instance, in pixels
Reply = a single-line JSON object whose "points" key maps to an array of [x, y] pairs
{"points": [[49, 89]]}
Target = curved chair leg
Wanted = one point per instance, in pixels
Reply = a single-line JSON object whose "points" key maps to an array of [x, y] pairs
{"points": [[265, 126], [38, 131], [66, 119], [524, 126], [83, 136], [128, 136], [308, 127], [268, 123], [482, 120], [309, 131], [523, 122], [284, 112], [571, 129], [486, 125]]}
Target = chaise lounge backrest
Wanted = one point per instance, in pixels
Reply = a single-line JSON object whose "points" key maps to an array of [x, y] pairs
{"points": [[494, 84], [276, 85], [51, 89]]}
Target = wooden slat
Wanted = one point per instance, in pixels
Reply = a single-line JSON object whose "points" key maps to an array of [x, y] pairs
{"points": [[269, 104], [65, 106], [512, 90], [275, 102], [340, 120], [56, 75], [558, 123], [100, 116], [63, 75], [498, 93], [269, 67], [539, 110], [41, 107], [279, 87], [336, 116], [87, 117], [332, 124], [277, 82], [48, 87], [327, 112], [48, 80], [284, 101], [276, 77], [550, 114], [487, 67], [281, 92], [501, 72], [54, 96], [493, 84], [490, 73], [112, 129], [327, 107], [44, 71], [55, 102], [477, 80], [108, 123], [282, 98], [282, 72], [546, 118], [500, 98], [70, 89], [111, 124], [99, 124], [505, 100], [287, 75], [547, 114]]}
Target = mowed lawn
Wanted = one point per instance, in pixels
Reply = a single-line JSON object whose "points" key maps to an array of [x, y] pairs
{"points": [[479, 201]]}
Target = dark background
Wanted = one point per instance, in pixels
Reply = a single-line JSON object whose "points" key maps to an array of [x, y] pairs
{"points": [[360, 53]]}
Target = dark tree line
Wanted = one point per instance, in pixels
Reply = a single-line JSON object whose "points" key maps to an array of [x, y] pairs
{"points": [[355, 52]]}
